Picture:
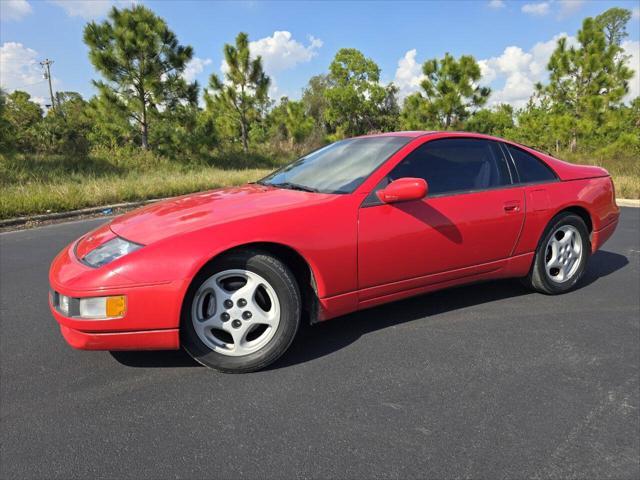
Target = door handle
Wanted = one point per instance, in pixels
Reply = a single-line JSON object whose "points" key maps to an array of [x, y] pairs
{"points": [[512, 207]]}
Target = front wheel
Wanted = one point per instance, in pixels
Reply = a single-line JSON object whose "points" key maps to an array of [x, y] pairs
{"points": [[562, 255], [241, 312]]}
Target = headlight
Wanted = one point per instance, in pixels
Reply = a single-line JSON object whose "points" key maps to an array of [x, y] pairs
{"points": [[103, 307], [91, 308], [110, 251], [64, 304]]}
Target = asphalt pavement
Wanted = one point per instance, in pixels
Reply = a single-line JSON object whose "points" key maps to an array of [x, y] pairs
{"points": [[485, 381]]}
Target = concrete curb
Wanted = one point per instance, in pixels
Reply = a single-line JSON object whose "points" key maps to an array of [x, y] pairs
{"points": [[45, 217], [623, 202]]}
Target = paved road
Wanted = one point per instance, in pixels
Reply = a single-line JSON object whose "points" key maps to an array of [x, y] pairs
{"points": [[487, 381]]}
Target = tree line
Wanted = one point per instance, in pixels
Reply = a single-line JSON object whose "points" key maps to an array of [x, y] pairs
{"points": [[144, 101]]}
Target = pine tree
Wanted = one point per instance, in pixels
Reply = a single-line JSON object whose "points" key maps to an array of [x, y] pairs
{"points": [[451, 89], [613, 22], [586, 81], [245, 90], [142, 62]]}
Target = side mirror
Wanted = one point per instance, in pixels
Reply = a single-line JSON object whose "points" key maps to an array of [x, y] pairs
{"points": [[403, 190]]}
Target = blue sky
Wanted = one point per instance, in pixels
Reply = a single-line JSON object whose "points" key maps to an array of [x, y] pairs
{"points": [[511, 39]]}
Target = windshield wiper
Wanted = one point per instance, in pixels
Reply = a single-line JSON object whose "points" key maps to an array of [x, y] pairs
{"points": [[294, 186]]}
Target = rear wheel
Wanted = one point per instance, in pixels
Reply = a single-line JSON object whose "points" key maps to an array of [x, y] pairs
{"points": [[241, 312], [562, 255]]}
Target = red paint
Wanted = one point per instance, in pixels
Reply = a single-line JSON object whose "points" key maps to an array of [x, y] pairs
{"points": [[435, 235], [360, 256], [94, 239], [403, 190], [600, 236], [146, 340]]}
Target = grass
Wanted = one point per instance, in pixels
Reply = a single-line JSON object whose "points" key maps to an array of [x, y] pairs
{"points": [[39, 197], [31, 184], [625, 171], [39, 184]]}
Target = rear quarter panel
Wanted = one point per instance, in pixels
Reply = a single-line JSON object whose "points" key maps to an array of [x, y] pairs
{"points": [[543, 202]]}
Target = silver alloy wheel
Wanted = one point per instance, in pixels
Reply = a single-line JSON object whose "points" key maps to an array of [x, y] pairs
{"points": [[235, 312], [563, 254]]}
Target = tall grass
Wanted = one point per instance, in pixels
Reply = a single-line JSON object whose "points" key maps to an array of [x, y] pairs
{"points": [[33, 184], [624, 169]]}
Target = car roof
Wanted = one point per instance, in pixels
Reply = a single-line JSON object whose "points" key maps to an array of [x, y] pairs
{"points": [[407, 133], [451, 133], [422, 133]]}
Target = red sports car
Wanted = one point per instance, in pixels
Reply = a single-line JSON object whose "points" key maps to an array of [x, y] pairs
{"points": [[230, 274]]}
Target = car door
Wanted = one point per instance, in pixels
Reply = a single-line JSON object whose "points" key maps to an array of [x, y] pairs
{"points": [[472, 216]]}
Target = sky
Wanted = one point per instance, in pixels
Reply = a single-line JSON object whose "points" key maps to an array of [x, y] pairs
{"points": [[512, 40]]}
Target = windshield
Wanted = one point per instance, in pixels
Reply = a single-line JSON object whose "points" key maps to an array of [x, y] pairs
{"points": [[337, 168]]}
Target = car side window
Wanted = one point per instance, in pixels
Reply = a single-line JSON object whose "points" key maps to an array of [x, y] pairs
{"points": [[456, 165], [530, 169]]}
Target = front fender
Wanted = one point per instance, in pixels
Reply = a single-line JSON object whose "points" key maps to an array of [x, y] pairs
{"points": [[327, 242]]}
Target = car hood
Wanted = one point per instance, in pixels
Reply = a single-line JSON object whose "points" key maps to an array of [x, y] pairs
{"points": [[192, 212]]}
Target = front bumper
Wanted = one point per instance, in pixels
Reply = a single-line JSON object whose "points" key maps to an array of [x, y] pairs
{"points": [[142, 340], [151, 320]]}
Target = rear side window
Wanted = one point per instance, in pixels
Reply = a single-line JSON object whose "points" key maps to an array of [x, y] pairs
{"points": [[456, 165], [530, 169]]}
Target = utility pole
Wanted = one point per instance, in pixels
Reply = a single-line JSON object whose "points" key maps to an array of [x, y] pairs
{"points": [[46, 63]]}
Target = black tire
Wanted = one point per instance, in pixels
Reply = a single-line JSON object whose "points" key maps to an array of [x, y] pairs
{"points": [[282, 281], [538, 278]]}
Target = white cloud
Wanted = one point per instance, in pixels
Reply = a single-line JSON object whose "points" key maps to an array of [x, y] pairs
{"points": [[496, 4], [194, 68], [632, 48], [516, 71], [487, 72], [20, 70], [14, 9], [408, 74], [569, 7], [538, 9], [635, 13], [281, 52], [513, 60], [89, 9]]}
